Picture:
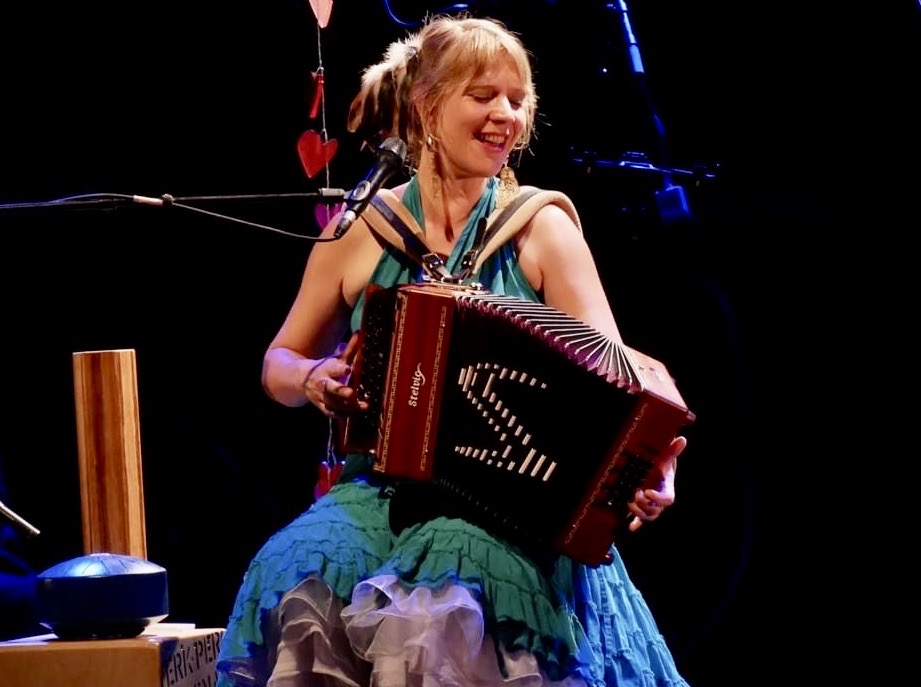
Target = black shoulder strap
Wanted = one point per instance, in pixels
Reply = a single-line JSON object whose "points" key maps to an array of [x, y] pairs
{"points": [[488, 229], [413, 243], [506, 213], [390, 220], [505, 223]]}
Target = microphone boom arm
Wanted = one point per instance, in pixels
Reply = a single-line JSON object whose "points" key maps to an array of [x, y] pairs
{"points": [[17, 520]]}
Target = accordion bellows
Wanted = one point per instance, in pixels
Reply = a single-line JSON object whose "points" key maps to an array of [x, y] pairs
{"points": [[543, 427]]}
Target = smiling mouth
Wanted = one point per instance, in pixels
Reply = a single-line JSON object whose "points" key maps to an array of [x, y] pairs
{"points": [[497, 140]]}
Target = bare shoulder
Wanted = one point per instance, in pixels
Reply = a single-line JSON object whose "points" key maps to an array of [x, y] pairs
{"points": [[551, 226], [347, 263], [360, 256], [554, 216]]}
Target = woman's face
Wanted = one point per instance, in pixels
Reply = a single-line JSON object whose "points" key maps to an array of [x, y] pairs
{"points": [[480, 122]]}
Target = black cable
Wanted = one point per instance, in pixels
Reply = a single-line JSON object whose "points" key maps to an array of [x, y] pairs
{"points": [[328, 196]]}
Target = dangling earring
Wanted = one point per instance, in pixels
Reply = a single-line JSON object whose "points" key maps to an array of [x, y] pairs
{"points": [[435, 179], [508, 186]]}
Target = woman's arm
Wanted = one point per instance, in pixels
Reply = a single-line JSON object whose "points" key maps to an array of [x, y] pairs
{"points": [[558, 263], [318, 320], [556, 259]]}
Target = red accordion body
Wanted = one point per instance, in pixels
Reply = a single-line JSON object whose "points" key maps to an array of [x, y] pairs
{"points": [[543, 425]]}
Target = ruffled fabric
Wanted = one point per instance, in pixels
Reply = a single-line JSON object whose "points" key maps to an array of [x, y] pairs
{"points": [[620, 627], [522, 606], [313, 647], [343, 538], [444, 603], [434, 638]]}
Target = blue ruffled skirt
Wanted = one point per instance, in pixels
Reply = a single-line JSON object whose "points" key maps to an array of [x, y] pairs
{"points": [[335, 598]]}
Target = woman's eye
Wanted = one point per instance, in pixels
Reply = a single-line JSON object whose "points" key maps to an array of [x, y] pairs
{"points": [[480, 97]]}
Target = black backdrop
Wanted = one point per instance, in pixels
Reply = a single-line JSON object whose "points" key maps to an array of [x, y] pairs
{"points": [[205, 98]]}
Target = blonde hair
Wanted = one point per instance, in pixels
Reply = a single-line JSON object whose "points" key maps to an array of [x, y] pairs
{"points": [[417, 73]]}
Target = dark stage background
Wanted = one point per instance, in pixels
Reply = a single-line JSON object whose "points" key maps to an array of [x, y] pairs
{"points": [[778, 123]]}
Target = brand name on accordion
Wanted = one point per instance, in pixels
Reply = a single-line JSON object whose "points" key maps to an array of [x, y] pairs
{"points": [[416, 386]]}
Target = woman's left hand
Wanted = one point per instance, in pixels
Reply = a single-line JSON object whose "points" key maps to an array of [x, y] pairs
{"points": [[658, 490]]}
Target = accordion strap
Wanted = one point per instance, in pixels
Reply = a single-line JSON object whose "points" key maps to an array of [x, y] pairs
{"points": [[392, 221], [505, 222]]}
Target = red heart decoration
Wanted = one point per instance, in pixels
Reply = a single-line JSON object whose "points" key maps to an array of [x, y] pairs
{"points": [[322, 9], [327, 476], [315, 153], [324, 213]]}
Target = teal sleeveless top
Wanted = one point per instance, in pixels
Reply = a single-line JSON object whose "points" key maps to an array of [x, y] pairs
{"points": [[500, 273]]}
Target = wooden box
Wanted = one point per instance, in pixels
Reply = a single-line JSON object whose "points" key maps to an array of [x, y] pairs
{"points": [[164, 655]]}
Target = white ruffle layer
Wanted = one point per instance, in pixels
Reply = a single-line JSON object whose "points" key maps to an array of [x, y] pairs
{"points": [[394, 636]]}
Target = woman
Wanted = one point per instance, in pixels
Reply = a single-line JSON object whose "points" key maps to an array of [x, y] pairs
{"points": [[336, 597]]}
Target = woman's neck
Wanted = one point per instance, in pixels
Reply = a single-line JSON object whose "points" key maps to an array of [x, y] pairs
{"points": [[447, 203]]}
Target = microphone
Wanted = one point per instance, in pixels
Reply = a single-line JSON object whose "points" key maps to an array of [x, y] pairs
{"points": [[390, 156]]}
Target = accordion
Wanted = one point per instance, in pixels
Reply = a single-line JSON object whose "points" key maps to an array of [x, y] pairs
{"points": [[541, 425]]}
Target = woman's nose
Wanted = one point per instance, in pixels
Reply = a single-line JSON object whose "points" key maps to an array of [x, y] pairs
{"points": [[503, 110]]}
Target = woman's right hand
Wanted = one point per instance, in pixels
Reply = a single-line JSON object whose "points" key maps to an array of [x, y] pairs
{"points": [[327, 383]]}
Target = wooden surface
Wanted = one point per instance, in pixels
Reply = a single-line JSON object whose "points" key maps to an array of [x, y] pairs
{"points": [[109, 451], [165, 655]]}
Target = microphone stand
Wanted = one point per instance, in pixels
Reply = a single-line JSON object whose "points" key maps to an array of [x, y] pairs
{"points": [[640, 162], [327, 196], [17, 520], [671, 200]]}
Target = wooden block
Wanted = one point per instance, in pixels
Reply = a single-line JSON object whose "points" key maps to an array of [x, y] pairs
{"points": [[164, 655], [109, 450]]}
